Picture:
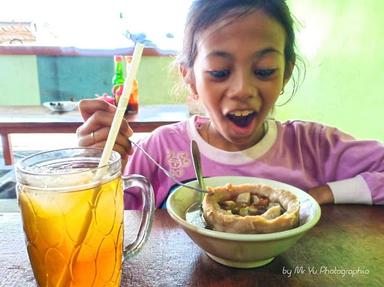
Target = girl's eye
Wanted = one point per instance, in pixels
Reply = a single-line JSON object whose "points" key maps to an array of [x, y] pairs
{"points": [[220, 74], [264, 73]]}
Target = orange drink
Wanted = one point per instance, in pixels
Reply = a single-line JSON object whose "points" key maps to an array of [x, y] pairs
{"points": [[73, 220]]}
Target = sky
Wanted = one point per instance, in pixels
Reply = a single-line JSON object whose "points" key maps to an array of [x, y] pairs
{"points": [[100, 23]]}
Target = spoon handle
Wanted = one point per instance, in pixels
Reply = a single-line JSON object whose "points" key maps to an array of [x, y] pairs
{"points": [[166, 172], [197, 164]]}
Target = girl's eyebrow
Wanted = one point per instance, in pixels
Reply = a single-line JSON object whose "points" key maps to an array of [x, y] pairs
{"points": [[220, 54], [267, 51], [258, 54]]}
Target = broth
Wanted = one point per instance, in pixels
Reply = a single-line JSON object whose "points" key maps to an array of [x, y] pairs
{"points": [[194, 215]]}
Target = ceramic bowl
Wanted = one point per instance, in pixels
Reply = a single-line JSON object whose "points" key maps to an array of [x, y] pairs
{"points": [[60, 106], [241, 250]]}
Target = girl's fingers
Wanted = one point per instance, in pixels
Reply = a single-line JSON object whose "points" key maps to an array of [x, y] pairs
{"points": [[98, 116], [97, 120], [100, 137], [102, 121], [88, 107], [92, 138], [120, 149]]}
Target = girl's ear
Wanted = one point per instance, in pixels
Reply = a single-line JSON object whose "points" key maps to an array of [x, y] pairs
{"points": [[189, 79]]}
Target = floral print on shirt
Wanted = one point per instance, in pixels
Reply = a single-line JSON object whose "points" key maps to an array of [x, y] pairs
{"points": [[177, 161]]}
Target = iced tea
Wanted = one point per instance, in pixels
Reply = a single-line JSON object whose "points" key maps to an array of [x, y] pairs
{"points": [[60, 255]]}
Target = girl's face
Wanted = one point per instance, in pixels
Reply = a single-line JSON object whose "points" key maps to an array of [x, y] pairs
{"points": [[238, 75]]}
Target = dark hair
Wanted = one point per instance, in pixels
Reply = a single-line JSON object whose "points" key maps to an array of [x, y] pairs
{"points": [[204, 13]]}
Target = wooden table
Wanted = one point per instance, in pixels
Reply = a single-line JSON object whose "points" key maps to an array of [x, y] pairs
{"points": [[347, 239], [39, 119]]}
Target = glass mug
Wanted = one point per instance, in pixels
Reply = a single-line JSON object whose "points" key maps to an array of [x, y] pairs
{"points": [[73, 216]]}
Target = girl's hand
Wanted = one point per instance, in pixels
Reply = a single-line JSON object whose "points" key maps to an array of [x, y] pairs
{"points": [[98, 115], [322, 194]]}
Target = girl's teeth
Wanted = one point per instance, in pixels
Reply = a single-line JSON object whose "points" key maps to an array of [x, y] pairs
{"points": [[241, 113], [241, 118]]}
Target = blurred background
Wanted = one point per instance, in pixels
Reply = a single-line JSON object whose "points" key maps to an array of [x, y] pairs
{"points": [[340, 42]]}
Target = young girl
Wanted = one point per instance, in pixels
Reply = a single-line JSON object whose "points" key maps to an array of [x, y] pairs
{"points": [[237, 57]]}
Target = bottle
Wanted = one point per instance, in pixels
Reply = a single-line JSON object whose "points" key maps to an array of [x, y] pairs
{"points": [[118, 78], [118, 83], [133, 103]]}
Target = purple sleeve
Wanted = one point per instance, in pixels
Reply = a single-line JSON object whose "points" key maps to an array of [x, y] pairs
{"points": [[138, 164], [354, 169]]}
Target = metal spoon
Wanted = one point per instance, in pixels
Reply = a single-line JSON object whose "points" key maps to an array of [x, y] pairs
{"points": [[194, 214], [167, 173], [197, 165]]}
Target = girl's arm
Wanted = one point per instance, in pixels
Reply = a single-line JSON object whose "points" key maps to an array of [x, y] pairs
{"points": [[353, 169], [322, 194]]}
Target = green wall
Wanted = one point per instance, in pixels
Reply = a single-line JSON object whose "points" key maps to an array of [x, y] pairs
{"points": [[78, 77], [343, 46], [29, 80], [18, 80], [156, 82], [63, 78]]}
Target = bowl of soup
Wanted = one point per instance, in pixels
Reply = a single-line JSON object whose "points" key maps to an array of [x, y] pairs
{"points": [[236, 249]]}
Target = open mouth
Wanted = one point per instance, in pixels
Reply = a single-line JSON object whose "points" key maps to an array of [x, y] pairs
{"points": [[241, 118]]}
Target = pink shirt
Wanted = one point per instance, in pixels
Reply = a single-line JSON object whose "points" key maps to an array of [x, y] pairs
{"points": [[302, 154]]}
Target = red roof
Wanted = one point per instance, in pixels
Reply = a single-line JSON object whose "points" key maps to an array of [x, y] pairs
{"points": [[17, 32]]}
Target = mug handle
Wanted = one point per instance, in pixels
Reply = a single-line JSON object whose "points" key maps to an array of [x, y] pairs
{"points": [[141, 182]]}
